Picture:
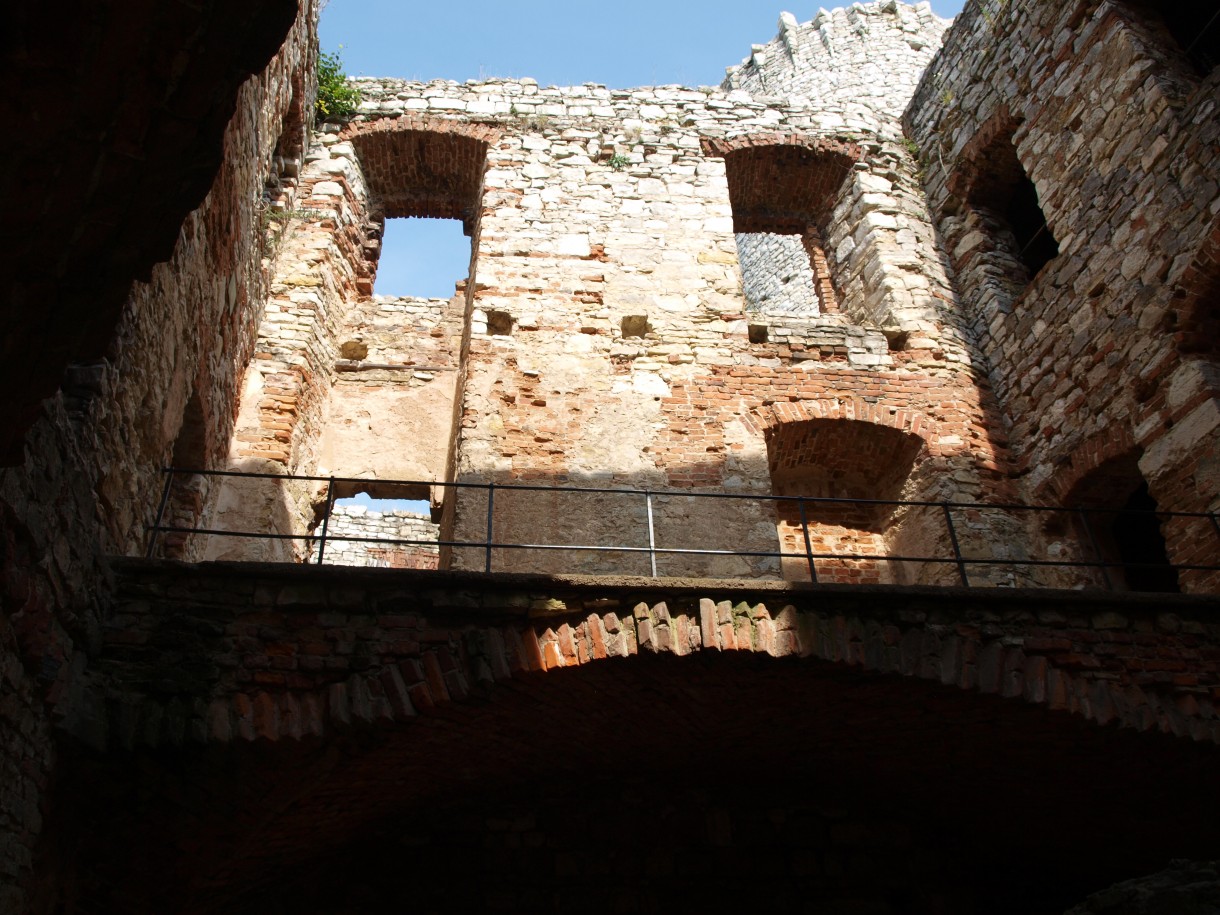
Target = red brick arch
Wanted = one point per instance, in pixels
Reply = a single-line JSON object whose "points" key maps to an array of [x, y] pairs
{"points": [[852, 408], [309, 659], [1111, 442]]}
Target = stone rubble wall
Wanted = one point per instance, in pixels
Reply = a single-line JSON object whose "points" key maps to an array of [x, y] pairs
{"points": [[1122, 143], [602, 205], [857, 65], [92, 477], [376, 651], [775, 274], [359, 521]]}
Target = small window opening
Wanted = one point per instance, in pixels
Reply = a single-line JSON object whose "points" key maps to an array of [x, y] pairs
{"points": [[1140, 546], [759, 333], [422, 258], [635, 326], [1007, 201], [1036, 246], [786, 273], [188, 491], [380, 526], [499, 323], [1123, 528]]}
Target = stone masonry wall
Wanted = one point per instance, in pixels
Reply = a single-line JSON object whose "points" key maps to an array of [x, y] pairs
{"points": [[299, 652], [859, 65], [359, 521], [1122, 145], [92, 479], [572, 244]]}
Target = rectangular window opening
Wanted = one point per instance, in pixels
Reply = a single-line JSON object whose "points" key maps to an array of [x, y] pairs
{"points": [[380, 526], [422, 258]]}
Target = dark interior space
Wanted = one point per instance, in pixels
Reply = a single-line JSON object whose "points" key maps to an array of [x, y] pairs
{"points": [[707, 783]]}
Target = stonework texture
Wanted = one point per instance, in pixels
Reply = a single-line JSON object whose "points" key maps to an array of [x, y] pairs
{"points": [[889, 260]]}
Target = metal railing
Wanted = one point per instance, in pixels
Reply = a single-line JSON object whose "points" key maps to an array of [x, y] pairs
{"points": [[961, 562]]}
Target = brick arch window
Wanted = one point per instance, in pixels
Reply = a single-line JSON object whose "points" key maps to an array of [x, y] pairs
{"points": [[420, 172], [1122, 526], [783, 196], [839, 458]]}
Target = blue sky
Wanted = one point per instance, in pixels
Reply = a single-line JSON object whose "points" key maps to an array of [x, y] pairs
{"points": [[618, 43]]}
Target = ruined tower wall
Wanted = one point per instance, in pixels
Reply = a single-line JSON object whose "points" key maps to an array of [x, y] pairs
{"points": [[1096, 358], [857, 66], [91, 479]]}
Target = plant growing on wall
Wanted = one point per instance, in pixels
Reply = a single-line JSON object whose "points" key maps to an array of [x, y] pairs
{"points": [[337, 100]]}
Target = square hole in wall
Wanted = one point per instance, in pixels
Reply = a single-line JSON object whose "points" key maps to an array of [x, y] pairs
{"points": [[635, 326], [499, 323], [422, 257], [758, 333]]}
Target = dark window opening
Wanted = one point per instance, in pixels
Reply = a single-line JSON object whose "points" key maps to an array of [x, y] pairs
{"points": [[188, 491], [759, 333], [423, 258], [635, 326], [1139, 545], [1036, 246], [1007, 203], [499, 323], [1122, 527]]}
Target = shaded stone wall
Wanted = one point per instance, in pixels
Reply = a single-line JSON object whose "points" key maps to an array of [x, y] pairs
{"points": [[91, 476], [269, 653], [1120, 142]]}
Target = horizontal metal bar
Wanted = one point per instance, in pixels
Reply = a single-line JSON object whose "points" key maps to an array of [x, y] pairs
{"points": [[680, 551], [689, 494]]}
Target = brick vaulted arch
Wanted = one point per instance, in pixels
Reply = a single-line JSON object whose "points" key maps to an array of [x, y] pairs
{"points": [[258, 720], [423, 167], [305, 658]]}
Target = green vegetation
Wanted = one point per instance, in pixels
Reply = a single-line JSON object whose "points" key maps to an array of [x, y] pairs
{"points": [[618, 162], [337, 100]]}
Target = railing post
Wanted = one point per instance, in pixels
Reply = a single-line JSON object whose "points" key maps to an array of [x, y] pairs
{"points": [[491, 498], [1101, 560], [652, 540], [330, 504], [957, 550], [813, 575], [156, 529]]}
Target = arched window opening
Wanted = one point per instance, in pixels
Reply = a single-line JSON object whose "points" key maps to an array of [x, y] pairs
{"points": [[1121, 528], [838, 459], [1007, 202], [782, 199]]}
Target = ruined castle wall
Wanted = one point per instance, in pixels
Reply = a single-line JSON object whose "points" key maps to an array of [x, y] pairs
{"points": [[92, 476], [601, 206], [858, 67], [1120, 140]]}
